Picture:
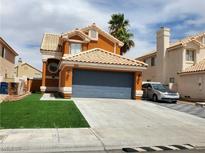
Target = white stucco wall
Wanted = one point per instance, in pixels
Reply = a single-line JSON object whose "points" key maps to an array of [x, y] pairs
{"points": [[174, 64], [192, 85], [150, 72]]}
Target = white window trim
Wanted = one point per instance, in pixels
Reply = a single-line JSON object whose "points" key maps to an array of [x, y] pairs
{"points": [[89, 34], [76, 43], [193, 55]]}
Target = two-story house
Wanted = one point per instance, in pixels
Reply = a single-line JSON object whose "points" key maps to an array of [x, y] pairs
{"points": [[87, 63], [7, 61], [25, 70], [179, 65]]}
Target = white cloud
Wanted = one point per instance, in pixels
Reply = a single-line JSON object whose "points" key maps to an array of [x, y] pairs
{"points": [[23, 22]]}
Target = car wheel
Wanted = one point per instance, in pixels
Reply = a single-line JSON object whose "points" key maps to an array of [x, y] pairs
{"points": [[155, 99]]}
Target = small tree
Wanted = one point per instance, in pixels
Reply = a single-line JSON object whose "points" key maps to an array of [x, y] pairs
{"points": [[119, 29]]}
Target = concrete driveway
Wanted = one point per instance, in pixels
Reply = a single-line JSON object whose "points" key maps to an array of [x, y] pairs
{"points": [[128, 123]]}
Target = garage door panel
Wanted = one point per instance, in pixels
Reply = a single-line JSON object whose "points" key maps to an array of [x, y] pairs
{"points": [[100, 84], [101, 91]]}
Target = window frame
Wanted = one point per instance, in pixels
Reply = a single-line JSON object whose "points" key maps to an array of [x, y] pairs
{"points": [[90, 34], [152, 61], [171, 80], [187, 55], [81, 47], [3, 52]]}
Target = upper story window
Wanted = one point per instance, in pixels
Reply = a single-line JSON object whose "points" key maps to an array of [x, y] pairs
{"points": [[75, 48], [2, 52], [93, 34], [189, 55], [153, 61]]}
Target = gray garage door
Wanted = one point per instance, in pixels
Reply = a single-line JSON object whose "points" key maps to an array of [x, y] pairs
{"points": [[101, 84]]}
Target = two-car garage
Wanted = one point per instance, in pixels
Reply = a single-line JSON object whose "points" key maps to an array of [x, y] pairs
{"points": [[98, 73], [102, 84]]}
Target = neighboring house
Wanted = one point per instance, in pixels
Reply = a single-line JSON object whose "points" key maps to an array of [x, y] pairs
{"points": [[25, 70], [87, 63], [179, 64], [7, 61]]}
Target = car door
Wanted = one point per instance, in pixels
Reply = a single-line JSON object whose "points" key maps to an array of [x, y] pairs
{"points": [[144, 89], [149, 91]]}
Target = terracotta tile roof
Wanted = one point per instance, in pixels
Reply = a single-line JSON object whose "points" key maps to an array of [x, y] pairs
{"points": [[50, 42], [148, 54], [100, 56], [179, 42], [196, 68], [188, 39], [76, 31], [103, 32]]}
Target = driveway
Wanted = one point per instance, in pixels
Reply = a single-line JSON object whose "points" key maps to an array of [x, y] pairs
{"points": [[186, 107], [122, 123]]}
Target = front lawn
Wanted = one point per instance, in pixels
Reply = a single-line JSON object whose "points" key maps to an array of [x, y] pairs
{"points": [[30, 112]]}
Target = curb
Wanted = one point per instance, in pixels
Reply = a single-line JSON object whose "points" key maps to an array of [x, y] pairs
{"points": [[159, 148]]}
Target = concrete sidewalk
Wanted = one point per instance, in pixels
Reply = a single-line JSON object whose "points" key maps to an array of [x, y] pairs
{"points": [[49, 140]]}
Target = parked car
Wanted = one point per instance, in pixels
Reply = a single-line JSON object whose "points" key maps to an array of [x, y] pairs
{"points": [[158, 92]]}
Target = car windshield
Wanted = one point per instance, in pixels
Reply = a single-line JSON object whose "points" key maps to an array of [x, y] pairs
{"points": [[159, 87]]}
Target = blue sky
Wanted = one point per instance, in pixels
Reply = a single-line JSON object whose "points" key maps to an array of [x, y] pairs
{"points": [[23, 22]]}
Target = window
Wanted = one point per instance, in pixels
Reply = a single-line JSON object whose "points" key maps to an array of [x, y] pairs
{"points": [[153, 61], [75, 48], [93, 34], [53, 67], [3, 52], [171, 80], [189, 55]]}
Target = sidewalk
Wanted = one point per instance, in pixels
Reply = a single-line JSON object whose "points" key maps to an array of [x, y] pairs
{"points": [[49, 140]]}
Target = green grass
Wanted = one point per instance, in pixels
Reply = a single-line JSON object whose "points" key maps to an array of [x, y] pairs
{"points": [[30, 112]]}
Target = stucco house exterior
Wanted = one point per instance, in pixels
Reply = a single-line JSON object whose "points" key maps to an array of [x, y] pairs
{"points": [[179, 65], [25, 70], [87, 63], [7, 61]]}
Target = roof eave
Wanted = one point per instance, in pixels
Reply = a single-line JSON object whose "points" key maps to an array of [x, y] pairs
{"points": [[102, 66], [8, 46], [191, 72]]}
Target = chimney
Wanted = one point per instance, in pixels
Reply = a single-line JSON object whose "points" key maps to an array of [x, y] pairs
{"points": [[163, 39], [19, 61], [163, 42]]}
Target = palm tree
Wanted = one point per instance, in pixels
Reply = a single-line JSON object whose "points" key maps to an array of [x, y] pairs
{"points": [[119, 29]]}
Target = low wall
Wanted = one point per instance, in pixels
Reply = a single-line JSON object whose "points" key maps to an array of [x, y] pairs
{"points": [[34, 85]]}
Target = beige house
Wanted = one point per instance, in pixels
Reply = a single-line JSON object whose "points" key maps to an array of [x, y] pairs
{"points": [[179, 65], [25, 70], [7, 61]]}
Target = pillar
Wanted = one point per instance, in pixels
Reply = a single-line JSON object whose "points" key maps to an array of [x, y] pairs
{"points": [[66, 48], [43, 85], [138, 85], [66, 82]]}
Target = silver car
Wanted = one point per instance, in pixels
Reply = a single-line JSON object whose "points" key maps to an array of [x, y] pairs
{"points": [[158, 92]]}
